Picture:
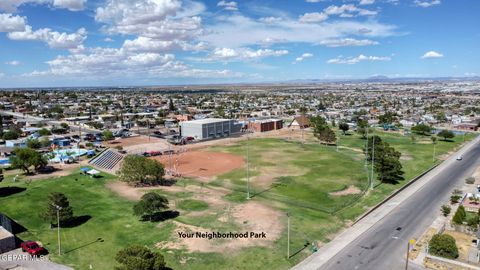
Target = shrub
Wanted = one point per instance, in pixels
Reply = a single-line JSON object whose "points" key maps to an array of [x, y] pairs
{"points": [[443, 245], [459, 216], [455, 198], [446, 210], [470, 180]]}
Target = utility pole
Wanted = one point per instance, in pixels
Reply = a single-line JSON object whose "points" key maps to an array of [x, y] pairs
{"points": [[288, 235], [373, 162], [408, 251], [58, 228]]}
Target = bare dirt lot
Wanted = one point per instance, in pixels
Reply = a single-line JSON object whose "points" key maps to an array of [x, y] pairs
{"points": [[201, 164], [134, 140]]}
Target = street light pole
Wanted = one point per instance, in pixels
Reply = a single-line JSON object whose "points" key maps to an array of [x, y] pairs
{"points": [[434, 144], [58, 228]]}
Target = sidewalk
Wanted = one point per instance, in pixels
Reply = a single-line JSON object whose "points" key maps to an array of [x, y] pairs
{"points": [[325, 253]]}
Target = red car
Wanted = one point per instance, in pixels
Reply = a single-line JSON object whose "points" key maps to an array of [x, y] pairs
{"points": [[33, 248]]}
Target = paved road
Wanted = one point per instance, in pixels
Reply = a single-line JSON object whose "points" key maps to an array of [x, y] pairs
{"points": [[384, 245]]}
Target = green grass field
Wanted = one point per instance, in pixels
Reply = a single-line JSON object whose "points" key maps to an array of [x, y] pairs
{"points": [[286, 175]]}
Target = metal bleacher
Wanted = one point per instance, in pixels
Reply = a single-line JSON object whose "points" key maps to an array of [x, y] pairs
{"points": [[107, 160]]}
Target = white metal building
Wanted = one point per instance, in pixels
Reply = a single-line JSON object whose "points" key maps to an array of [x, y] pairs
{"points": [[209, 128]]}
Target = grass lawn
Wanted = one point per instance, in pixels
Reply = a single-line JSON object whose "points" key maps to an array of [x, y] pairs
{"points": [[111, 220], [288, 176]]}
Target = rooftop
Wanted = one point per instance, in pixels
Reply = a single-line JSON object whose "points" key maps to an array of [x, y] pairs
{"points": [[207, 121], [4, 233]]}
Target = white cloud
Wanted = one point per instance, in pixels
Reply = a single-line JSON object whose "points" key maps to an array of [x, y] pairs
{"points": [[241, 54], [366, 2], [72, 5], [348, 10], [120, 63], [232, 6], [348, 42], [10, 23], [313, 17], [303, 57], [107, 39], [54, 39], [357, 59], [13, 63], [270, 20], [432, 54], [237, 31], [427, 4], [152, 45], [157, 19]]}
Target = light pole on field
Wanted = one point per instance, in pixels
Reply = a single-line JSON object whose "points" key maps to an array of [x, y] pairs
{"points": [[288, 235], [58, 208], [373, 162]]}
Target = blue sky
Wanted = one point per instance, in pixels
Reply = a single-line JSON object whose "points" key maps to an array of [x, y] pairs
{"points": [[156, 42]]}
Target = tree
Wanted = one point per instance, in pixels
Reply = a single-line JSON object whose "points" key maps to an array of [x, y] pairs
{"points": [[362, 127], [150, 204], [34, 143], [386, 160], [321, 130], [171, 106], [387, 119], [108, 135], [422, 129], [459, 216], [10, 135], [44, 132], [343, 127], [139, 257], [66, 212], [443, 245], [446, 134], [138, 170], [434, 139], [25, 158], [446, 210], [328, 136], [65, 126]]}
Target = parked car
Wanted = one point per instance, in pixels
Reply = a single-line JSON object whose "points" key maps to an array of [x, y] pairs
{"points": [[33, 248], [459, 158]]}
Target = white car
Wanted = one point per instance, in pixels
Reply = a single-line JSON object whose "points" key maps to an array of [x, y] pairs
{"points": [[459, 158]]}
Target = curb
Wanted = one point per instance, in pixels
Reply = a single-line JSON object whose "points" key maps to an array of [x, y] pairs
{"points": [[415, 179]]}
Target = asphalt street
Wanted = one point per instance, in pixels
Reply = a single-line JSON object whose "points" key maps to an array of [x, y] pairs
{"points": [[384, 245]]}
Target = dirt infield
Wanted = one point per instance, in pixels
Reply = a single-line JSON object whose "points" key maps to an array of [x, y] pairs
{"points": [[201, 164]]}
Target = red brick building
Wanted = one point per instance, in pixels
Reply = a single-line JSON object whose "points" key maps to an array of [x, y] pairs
{"points": [[265, 125]]}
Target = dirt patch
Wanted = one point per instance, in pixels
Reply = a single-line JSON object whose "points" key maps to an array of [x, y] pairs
{"points": [[405, 157], [250, 217], [201, 164], [134, 140], [464, 243], [125, 191], [351, 190]]}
